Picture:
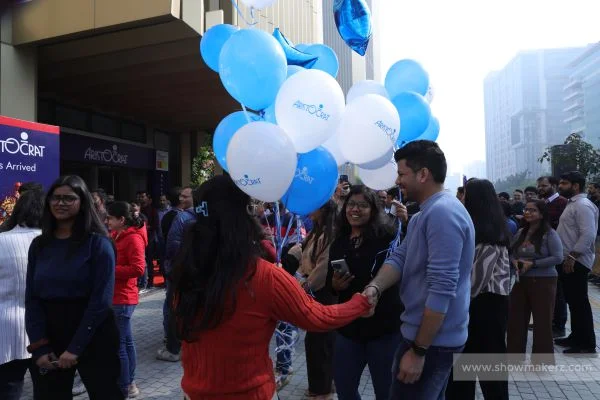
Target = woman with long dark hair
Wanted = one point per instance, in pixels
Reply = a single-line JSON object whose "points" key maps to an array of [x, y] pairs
{"points": [[314, 264], [21, 228], [362, 241], [536, 248], [68, 301], [228, 300], [129, 235], [490, 287]]}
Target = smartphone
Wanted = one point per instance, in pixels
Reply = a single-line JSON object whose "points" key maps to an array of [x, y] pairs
{"points": [[343, 178], [340, 266]]}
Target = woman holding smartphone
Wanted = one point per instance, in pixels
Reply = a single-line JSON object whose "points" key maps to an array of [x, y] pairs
{"points": [[68, 298], [360, 248]]}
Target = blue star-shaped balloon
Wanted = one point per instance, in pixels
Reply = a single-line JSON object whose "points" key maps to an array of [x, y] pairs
{"points": [[353, 21], [293, 55]]}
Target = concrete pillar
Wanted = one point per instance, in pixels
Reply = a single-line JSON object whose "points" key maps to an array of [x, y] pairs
{"points": [[186, 161], [18, 76]]}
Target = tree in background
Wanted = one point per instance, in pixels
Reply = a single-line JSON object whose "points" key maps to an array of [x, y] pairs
{"points": [[203, 166], [517, 181], [576, 152]]}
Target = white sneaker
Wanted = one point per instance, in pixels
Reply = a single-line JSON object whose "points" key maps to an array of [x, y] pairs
{"points": [[78, 387], [133, 390], [165, 355]]}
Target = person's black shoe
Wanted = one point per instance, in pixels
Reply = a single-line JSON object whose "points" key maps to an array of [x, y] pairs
{"points": [[579, 350], [564, 342], [558, 333]]}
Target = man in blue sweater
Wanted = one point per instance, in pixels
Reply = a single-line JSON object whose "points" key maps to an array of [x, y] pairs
{"points": [[433, 265]]}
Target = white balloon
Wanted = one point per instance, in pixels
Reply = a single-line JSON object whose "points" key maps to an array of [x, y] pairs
{"points": [[333, 145], [308, 107], [366, 87], [262, 160], [379, 179], [369, 128], [380, 162], [259, 4]]}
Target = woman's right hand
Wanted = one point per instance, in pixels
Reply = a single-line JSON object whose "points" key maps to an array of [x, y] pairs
{"points": [[46, 360], [340, 281]]}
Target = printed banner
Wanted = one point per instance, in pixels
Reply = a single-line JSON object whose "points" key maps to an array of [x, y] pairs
{"points": [[29, 152]]}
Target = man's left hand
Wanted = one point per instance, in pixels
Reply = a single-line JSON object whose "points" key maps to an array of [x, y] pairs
{"points": [[411, 367], [67, 360], [568, 265]]}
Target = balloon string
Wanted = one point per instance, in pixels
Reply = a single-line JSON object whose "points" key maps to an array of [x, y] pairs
{"points": [[278, 232], [250, 24], [246, 113], [298, 229], [287, 233]]}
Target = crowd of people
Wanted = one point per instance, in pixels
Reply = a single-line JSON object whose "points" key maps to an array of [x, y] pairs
{"points": [[400, 281]]}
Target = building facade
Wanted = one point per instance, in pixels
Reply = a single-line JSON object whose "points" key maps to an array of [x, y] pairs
{"points": [[125, 81], [524, 111], [582, 96]]}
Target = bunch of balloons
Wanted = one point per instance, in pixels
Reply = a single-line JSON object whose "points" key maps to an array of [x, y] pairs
{"points": [[297, 127]]}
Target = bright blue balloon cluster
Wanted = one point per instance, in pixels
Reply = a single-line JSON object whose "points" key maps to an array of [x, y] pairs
{"points": [[353, 21], [252, 67], [212, 42], [225, 131], [314, 183], [414, 115], [406, 76], [433, 130]]}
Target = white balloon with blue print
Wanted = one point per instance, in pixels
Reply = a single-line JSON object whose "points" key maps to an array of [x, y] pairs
{"points": [[379, 179], [308, 107], [369, 128], [262, 160]]}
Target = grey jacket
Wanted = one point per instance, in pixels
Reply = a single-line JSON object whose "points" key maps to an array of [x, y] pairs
{"points": [[578, 227], [551, 254]]}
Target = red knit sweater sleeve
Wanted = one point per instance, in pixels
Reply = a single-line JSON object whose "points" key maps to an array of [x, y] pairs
{"points": [[290, 303], [136, 258]]}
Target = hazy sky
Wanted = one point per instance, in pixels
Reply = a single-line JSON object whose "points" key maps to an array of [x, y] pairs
{"points": [[460, 41]]}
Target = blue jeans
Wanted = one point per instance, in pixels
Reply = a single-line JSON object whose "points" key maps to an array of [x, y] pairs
{"points": [[434, 378], [284, 357], [350, 358], [127, 353]]}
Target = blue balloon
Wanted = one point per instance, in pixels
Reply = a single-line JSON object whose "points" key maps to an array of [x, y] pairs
{"points": [[414, 115], [294, 56], [292, 69], [406, 76], [225, 131], [252, 67], [316, 176], [353, 21], [433, 130], [328, 60], [212, 42], [302, 47]]}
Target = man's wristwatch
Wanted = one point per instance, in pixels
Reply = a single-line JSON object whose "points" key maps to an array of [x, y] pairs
{"points": [[418, 350]]}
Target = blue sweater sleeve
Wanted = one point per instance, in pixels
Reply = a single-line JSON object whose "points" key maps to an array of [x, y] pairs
{"points": [[445, 238], [100, 302], [398, 257], [35, 318]]}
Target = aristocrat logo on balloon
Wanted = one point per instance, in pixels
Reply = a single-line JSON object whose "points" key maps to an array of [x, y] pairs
{"points": [[303, 175], [312, 109], [247, 181], [390, 132]]}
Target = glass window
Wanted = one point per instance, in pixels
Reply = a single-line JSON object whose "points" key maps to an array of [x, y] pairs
{"points": [[105, 125], [134, 132], [71, 118]]}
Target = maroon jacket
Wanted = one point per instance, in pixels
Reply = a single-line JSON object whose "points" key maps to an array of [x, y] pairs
{"points": [[555, 210]]}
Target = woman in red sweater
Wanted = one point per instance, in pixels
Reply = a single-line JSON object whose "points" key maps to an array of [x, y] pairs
{"points": [[228, 300], [130, 237]]}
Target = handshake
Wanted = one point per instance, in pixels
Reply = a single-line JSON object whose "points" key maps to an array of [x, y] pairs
{"points": [[373, 294]]}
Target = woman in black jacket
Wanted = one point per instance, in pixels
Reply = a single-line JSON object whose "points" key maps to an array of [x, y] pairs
{"points": [[362, 241]]}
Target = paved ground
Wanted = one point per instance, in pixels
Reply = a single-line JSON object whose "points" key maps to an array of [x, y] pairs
{"points": [[160, 380]]}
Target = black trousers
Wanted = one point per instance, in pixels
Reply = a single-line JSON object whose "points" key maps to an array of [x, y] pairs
{"points": [[319, 353], [98, 365], [560, 305], [575, 286], [12, 375], [488, 318]]}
